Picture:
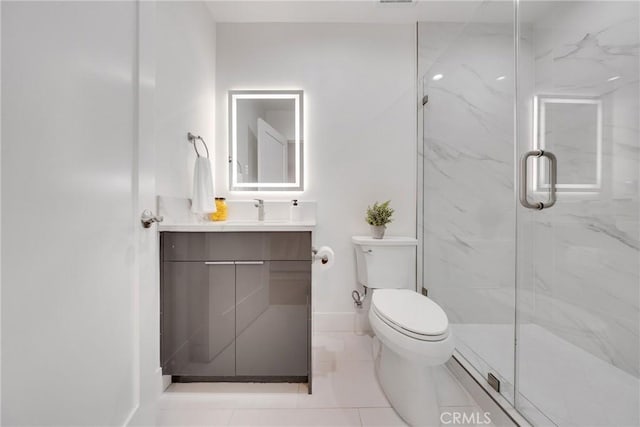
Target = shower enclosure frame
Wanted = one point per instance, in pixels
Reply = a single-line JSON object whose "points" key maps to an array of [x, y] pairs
{"points": [[525, 224]]}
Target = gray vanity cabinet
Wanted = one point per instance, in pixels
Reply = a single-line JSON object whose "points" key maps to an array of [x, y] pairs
{"points": [[236, 306], [272, 304], [230, 246], [198, 319]]}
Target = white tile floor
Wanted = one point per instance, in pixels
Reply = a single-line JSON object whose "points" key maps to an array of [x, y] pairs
{"points": [[345, 393]]}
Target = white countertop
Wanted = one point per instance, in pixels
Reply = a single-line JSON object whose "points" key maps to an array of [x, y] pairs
{"points": [[239, 225]]}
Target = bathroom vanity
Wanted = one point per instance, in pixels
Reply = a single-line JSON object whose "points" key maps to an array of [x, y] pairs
{"points": [[236, 302]]}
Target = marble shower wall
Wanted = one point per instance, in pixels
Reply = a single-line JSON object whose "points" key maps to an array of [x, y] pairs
{"points": [[585, 251], [469, 218]]}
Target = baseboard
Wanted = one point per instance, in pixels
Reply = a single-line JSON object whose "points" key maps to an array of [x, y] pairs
{"points": [[131, 416], [166, 382], [502, 412], [144, 413]]}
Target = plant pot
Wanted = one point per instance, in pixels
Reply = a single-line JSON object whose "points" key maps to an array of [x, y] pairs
{"points": [[377, 231]]}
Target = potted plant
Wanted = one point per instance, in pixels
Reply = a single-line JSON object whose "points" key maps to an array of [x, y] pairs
{"points": [[378, 216]]}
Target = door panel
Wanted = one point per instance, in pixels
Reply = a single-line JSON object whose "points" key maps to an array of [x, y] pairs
{"points": [[273, 304], [272, 154], [68, 213], [578, 360], [198, 319]]}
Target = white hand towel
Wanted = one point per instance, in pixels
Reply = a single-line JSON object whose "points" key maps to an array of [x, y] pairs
{"points": [[203, 200]]}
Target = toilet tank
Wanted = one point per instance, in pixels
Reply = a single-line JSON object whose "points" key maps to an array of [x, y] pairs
{"points": [[386, 263]]}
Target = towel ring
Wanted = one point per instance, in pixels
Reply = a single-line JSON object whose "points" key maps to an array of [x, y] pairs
{"points": [[194, 139]]}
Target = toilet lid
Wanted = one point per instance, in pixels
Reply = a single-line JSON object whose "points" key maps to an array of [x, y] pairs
{"points": [[410, 311]]}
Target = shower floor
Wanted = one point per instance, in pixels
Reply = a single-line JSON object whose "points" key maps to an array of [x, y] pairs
{"points": [[570, 386]]}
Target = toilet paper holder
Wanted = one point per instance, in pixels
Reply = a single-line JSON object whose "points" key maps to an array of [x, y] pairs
{"points": [[323, 259]]}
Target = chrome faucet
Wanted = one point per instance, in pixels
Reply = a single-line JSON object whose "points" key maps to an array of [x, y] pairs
{"points": [[260, 206]]}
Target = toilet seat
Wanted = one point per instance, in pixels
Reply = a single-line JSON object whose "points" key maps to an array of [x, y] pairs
{"points": [[410, 313]]}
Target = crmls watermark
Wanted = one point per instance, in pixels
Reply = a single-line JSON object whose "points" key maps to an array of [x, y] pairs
{"points": [[466, 418]]}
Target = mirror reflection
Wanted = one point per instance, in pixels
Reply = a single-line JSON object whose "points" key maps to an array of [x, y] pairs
{"points": [[266, 140], [571, 127]]}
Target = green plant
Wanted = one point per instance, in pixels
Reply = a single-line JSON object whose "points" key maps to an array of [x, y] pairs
{"points": [[379, 214]]}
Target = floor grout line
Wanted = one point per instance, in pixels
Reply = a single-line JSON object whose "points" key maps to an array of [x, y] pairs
{"points": [[233, 412]]}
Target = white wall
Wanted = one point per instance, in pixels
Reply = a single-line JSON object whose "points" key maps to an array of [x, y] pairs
{"points": [[0, 215], [360, 126], [68, 129], [185, 84]]}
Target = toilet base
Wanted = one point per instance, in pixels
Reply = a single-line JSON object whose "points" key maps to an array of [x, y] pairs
{"points": [[409, 386]]}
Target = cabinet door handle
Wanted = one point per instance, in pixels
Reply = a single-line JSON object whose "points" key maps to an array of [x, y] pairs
{"points": [[249, 262], [218, 263]]}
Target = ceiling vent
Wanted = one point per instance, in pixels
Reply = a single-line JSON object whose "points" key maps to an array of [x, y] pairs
{"points": [[395, 1]]}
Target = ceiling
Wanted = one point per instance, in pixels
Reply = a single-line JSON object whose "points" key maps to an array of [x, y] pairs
{"points": [[346, 11]]}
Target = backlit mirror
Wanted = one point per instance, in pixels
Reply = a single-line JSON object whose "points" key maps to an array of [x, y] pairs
{"points": [[571, 128], [266, 140]]}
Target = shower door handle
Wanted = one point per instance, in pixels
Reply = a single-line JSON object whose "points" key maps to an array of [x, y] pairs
{"points": [[553, 178], [524, 184]]}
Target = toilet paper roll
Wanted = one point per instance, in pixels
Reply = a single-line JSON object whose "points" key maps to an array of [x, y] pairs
{"points": [[326, 257]]}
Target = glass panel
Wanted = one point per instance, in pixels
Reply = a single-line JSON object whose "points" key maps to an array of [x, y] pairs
{"points": [[468, 185], [578, 262]]}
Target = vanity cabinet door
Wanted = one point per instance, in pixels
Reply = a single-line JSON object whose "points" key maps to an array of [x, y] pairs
{"points": [[198, 319], [272, 303]]}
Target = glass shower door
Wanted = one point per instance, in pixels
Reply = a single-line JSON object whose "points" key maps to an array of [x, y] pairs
{"points": [[578, 322], [468, 234]]}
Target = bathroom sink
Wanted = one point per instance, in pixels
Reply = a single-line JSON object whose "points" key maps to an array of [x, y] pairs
{"points": [[256, 222]]}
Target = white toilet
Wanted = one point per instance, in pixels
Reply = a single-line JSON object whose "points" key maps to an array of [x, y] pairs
{"points": [[412, 332]]}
